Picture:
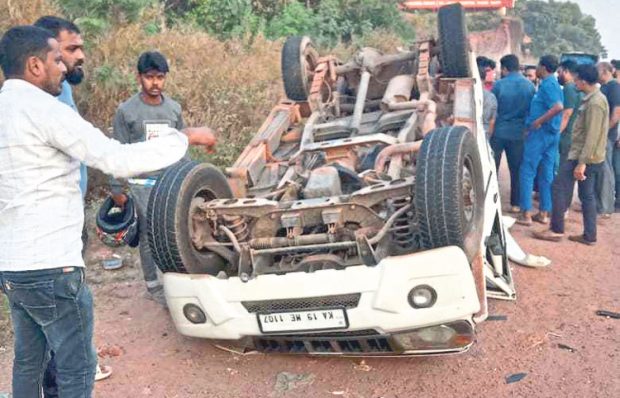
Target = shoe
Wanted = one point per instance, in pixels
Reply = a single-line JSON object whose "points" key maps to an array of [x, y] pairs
{"points": [[514, 209], [581, 239], [566, 215], [524, 220], [541, 218], [548, 235], [605, 216], [103, 372]]}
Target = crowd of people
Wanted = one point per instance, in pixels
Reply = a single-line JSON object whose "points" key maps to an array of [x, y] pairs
{"points": [[557, 124]]}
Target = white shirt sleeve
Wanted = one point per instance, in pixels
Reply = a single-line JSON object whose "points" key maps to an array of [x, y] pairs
{"points": [[79, 139]]}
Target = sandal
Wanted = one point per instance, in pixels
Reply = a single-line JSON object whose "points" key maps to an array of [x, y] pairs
{"points": [[540, 218], [522, 220], [103, 372], [548, 235]]}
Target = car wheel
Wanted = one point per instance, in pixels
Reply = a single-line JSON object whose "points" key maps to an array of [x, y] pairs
{"points": [[299, 59], [449, 190], [169, 217], [453, 39]]}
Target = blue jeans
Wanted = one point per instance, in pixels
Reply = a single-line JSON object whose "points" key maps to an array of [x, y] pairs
{"points": [[539, 156], [51, 310], [514, 153], [563, 184]]}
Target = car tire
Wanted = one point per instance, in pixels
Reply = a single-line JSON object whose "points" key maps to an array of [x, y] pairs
{"points": [[453, 40], [449, 190], [299, 58], [169, 217]]}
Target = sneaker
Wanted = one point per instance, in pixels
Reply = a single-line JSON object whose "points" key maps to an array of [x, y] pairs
{"points": [[515, 209], [581, 239]]}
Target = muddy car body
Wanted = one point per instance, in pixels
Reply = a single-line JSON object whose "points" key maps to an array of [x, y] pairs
{"points": [[362, 219]]}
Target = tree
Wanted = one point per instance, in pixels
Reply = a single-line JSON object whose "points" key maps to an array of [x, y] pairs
{"points": [[554, 27]]}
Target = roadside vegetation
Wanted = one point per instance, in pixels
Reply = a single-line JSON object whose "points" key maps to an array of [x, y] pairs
{"points": [[225, 54]]}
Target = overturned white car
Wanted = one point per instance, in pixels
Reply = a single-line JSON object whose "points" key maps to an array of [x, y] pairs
{"points": [[363, 218]]}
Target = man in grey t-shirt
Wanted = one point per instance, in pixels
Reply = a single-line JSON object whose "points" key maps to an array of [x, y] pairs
{"points": [[489, 102], [141, 118]]}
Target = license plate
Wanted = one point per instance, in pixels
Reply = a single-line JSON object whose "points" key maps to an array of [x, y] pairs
{"points": [[297, 321]]}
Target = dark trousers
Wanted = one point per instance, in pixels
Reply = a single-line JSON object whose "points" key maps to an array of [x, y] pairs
{"points": [[50, 387], [564, 182], [140, 194], [605, 183], [514, 154], [51, 310], [614, 158]]}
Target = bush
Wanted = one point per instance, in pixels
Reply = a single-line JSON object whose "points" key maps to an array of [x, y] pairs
{"points": [[329, 22], [225, 19], [117, 10], [293, 20]]}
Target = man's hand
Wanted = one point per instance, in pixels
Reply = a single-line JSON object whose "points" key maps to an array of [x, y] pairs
{"points": [[580, 172], [536, 125], [201, 136], [119, 200]]}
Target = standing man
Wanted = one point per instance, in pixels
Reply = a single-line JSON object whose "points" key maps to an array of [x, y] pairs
{"points": [[572, 99], [42, 142], [530, 74], [72, 51], [142, 118], [541, 144], [585, 160], [514, 94], [607, 186], [486, 67], [71, 44], [489, 102]]}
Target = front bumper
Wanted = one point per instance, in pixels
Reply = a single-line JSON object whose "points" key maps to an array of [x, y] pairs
{"points": [[381, 319]]}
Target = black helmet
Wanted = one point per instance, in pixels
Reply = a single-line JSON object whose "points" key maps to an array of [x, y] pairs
{"points": [[115, 226]]}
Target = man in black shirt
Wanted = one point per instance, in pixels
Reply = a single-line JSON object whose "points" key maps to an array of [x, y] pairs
{"points": [[608, 187]]}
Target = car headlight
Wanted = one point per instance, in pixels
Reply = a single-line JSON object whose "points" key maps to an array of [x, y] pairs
{"points": [[422, 296], [450, 336]]}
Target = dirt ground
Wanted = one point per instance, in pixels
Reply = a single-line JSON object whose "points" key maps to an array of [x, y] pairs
{"points": [[551, 334]]}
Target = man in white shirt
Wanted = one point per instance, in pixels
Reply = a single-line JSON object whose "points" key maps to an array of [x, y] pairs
{"points": [[42, 142]]}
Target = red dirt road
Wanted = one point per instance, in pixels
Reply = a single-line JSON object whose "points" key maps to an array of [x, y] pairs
{"points": [[555, 306]]}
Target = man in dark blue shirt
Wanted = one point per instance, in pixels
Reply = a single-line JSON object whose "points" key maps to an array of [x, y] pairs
{"points": [[514, 94], [541, 144]]}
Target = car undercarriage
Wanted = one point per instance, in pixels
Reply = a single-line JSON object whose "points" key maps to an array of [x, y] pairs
{"points": [[376, 168]]}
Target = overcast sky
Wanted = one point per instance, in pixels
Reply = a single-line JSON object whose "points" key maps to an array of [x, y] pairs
{"points": [[607, 16]]}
